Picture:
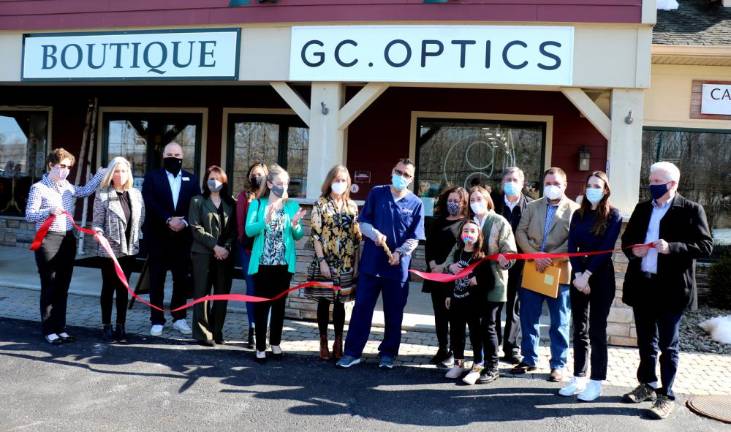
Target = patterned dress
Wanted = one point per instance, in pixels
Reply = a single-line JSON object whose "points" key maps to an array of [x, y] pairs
{"points": [[338, 232], [273, 253]]}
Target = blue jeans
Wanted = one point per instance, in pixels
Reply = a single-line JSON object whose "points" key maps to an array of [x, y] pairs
{"points": [[395, 294], [244, 258], [531, 305]]}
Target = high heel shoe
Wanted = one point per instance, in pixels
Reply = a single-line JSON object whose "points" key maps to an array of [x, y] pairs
{"points": [[120, 334], [324, 351], [107, 333], [338, 348]]}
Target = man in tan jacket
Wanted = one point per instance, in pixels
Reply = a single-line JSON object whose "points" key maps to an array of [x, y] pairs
{"points": [[544, 227]]}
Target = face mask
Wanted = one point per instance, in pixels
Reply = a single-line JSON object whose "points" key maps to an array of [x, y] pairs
{"points": [[468, 238], [399, 183], [339, 187], [594, 195], [657, 191], [511, 189], [60, 173], [214, 185], [255, 181], [278, 190], [172, 165], [552, 192], [478, 207], [453, 208]]}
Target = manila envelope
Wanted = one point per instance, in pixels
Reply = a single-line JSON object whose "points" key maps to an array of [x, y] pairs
{"points": [[545, 283]]}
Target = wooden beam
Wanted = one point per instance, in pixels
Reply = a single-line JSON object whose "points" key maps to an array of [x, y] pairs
{"points": [[362, 100], [589, 109], [294, 100]]}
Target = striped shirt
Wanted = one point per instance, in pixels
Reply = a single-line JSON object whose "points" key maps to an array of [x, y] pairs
{"points": [[46, 195]]}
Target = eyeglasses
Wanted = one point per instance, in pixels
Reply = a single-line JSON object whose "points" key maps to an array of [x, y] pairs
{"points": [[398, 172]]}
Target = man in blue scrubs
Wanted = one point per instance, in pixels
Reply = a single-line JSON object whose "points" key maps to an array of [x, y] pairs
{"points": [[393, 216]]}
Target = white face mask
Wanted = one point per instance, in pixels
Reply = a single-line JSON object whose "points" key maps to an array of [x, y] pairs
{"points": [[478, 207], [552, 192], [339, 187]]}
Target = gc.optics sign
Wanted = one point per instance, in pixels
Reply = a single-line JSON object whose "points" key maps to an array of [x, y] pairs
{"points": [[175, 54], [433, 54]]}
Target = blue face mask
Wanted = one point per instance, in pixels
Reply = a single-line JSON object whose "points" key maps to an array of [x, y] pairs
{"points": [[399, 183], [594, 195], [511, 189], [657, 191]]}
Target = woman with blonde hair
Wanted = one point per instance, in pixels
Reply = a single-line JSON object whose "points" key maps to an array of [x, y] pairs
{"points": [[336, 240], [119, 212], [274, 222]]}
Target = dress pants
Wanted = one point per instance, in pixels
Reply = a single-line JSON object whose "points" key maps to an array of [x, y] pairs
{"points": [[173, 256], [55, 261], [208, 317]]}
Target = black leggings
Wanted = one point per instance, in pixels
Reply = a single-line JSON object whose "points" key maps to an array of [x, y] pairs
{"points": [[465, 312], [270, 281], [112, 284], [323, 316]]}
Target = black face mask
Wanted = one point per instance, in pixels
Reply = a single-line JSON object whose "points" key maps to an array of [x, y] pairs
{"points": [[255, 181], [172, 165]]}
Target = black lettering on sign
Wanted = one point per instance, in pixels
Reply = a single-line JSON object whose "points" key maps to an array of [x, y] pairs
{"points": [[163, 57], [337, 53], [118, 56], [488, 53], [425, 52], [556, 59], [387, 53], [64, 58], [49, 55], [205, 53], [318, 54], [176, 54], [90, 56], [135, 55], [463, 50], [505, 55]]}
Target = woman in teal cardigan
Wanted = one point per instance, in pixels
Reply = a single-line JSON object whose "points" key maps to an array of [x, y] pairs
{"points": [[274, 223]]}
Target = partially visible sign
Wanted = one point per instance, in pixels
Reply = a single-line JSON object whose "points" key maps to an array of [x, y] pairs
{"points": [[716, 99], [433, 54], [362, 177], [154, 54]]}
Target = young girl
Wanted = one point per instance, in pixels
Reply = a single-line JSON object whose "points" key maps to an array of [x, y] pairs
{"points": [[467, 300]]}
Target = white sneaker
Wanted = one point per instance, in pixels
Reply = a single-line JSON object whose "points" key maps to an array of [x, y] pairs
{"points": [[456, 371], [261, 355], [471, 378], [182, 326], [156, 330], [592, 391], [574, 387], [449, 362], [276, 350]]}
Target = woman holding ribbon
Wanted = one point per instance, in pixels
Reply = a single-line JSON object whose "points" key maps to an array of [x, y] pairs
{"points": [[594, 226], [119, 212], [451, 210], [256, 181], [274, 222], [55, 197], [211, 219], [499, 240], [336, 240]]}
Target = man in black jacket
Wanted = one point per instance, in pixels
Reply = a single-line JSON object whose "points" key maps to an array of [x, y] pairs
{"points": [[167, 193], [660, 278], [510, 204]]}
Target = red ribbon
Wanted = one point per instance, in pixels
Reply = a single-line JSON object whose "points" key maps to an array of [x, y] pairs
{"points": [[445, 277], [43, 231]]}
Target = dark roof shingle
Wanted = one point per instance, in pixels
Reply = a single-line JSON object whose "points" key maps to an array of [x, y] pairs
{"points": [[695, 22]]}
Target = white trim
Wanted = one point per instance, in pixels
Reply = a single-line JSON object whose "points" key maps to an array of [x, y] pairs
{"points": [[224, 125], [547, 119], [293, 100], [359, 103], [589, 109], [155, 110]]}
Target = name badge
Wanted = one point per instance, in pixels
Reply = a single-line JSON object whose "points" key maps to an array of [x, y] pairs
{"points": [[186, 178]]}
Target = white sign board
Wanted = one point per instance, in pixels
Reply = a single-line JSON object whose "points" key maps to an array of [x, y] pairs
{"points": [[716, 99], [433, 54], [159, 54]]}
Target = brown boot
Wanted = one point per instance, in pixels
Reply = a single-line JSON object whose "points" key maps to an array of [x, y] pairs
{"points": [[324, 352], [338, 348]]}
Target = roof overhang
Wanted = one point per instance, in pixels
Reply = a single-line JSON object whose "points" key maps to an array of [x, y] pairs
{"points": [[691, 55]]}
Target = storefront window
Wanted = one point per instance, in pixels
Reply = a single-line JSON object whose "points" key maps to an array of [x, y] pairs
{"points": [[283, 139], [704, 159], [470, 152], [23, 148], [141, 138]]}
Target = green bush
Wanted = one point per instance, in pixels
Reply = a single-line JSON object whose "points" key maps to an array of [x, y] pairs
{"points": [[719, 279]]}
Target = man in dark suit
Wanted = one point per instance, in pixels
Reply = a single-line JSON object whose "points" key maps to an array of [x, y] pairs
{"points": [[167, 193], [659, 280], [510, 204]]}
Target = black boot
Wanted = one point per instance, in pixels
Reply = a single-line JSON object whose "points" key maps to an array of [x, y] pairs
{"points": [[250, 343], [107, 333], [120, 334]]}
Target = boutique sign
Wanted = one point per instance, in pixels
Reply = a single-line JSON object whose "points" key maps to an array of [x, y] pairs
{"points": [[541, 55], [197, 54], [716, 99]]}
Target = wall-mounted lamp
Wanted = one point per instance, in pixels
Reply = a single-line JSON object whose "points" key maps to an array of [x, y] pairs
{"points": [[324, 108], [584, 159], [629, 118]]}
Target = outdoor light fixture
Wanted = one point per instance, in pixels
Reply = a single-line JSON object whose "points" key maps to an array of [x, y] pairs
{"points": [[584, 158], [629, 118]]}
